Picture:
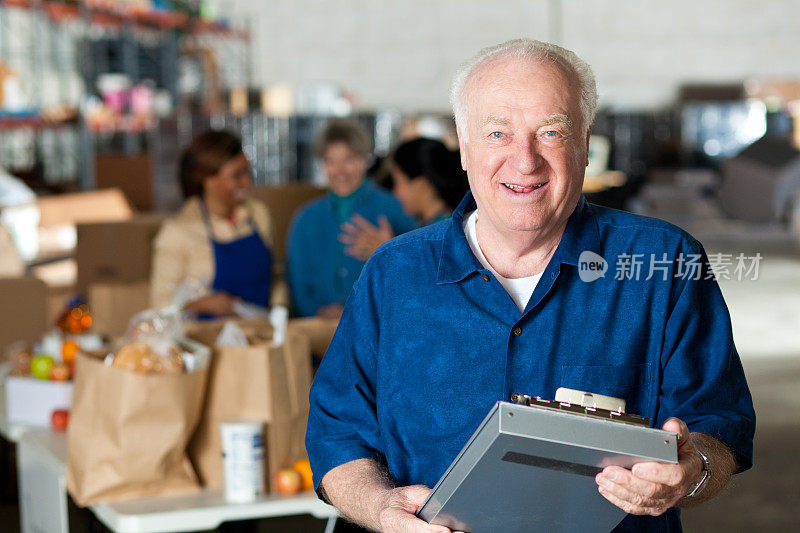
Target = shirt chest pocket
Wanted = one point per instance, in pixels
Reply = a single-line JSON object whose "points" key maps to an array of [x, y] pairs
{"points": [[629, 382]]}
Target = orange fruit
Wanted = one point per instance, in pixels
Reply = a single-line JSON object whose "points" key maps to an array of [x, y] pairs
{"points": [[68, 350], [303, 467]]}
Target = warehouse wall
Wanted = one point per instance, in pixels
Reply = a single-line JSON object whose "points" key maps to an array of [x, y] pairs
{"points": [[402, 53]]}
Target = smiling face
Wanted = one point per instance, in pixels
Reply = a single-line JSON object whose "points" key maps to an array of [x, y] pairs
{"points": [[230, 185], [525, 148], [346, 169]]}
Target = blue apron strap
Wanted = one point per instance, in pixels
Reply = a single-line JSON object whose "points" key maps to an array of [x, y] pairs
{"points": [[243, 266], [210, 230]]}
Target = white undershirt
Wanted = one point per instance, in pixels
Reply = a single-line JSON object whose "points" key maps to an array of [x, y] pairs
{"points": [[520, 289]]}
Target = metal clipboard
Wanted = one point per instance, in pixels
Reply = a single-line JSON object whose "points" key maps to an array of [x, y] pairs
{"points": [[530, 465]]}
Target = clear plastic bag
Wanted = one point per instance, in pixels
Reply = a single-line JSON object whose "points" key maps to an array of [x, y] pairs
{"points": [[189, 290], [151, 344]]}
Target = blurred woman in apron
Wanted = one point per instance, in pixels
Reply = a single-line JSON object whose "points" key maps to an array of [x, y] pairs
{"points": [[218, 248]]}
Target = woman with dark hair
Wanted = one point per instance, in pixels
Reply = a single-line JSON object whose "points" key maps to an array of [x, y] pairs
{"points": [[221, 240], [428, 179], [429, 182]]}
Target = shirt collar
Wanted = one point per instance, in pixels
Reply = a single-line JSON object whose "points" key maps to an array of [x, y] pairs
{"points": [[344, 206], [580, 235], [355, 195], [456, 260], [240, 214]]}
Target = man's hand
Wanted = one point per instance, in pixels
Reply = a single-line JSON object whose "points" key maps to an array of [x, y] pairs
{"points": [[363, 238], [652, 488], [398, 512], [364, 493]]}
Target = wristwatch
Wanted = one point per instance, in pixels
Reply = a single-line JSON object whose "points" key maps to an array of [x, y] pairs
{"points": [[701, 483]]}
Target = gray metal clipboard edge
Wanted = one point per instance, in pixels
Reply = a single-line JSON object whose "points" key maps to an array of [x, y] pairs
{"points": [[638, 443], [432, 505]]}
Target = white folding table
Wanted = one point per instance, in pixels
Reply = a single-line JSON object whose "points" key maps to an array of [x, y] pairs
{"points": [[41, 458]]}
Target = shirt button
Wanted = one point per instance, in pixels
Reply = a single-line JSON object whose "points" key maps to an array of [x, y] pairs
{"points": [[517, 331], [485, 277]]}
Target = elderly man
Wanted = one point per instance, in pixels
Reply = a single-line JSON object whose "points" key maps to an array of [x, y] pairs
{"points": [[451, 318]]}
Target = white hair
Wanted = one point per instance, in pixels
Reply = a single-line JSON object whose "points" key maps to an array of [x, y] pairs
{"points": [[529, 49]]}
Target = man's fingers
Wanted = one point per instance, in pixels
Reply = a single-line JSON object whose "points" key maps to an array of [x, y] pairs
{"points": [[676, 425], [627, 487], [436, 529], [395, 519], [671, 475], [627, 506], [416, 495], [399, 516]]}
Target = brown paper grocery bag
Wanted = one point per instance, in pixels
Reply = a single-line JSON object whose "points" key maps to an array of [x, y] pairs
{"points": [[318, 330], [128, 432], [262, 382]]}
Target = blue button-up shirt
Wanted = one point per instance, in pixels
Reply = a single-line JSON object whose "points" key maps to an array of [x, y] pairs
{"points": [[427, 345]]}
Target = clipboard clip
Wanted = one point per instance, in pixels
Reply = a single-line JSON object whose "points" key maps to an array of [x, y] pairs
{"points": [[584, 404]]}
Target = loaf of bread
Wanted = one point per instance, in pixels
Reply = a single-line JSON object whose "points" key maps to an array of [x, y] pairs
{"points": [[140, 357]]}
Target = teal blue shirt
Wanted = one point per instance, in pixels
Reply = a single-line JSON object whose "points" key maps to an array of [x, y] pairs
{"points": [[319, 271]]}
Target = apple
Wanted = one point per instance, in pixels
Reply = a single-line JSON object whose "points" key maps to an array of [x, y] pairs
{"points": [[288, 481], [59, 419], [41, 365], [60, 372]]}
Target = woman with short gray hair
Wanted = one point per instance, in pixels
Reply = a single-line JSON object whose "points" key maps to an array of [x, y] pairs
{"points": [[321, 273]]}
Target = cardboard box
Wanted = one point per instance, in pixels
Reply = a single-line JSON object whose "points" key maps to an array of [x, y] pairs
{"points": [[31, 400], [61, 213], [23, 312], [116, 251], [133, 175], [283, 201], [114, 304], [81, 207], [57, 299], [11, 264]]}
